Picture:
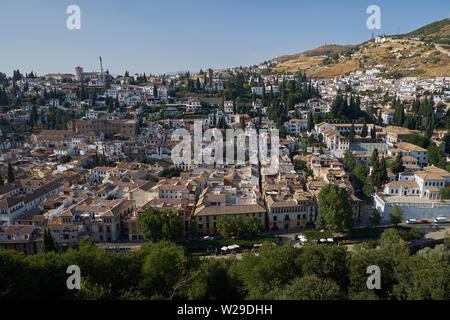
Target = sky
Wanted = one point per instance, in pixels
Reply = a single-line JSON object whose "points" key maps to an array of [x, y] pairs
{"points": [[158, 37]]}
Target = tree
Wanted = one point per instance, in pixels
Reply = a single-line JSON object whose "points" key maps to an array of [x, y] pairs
{"points": [[327, 262], [361, 181], [93, 291], [107, 84], [445, 193], [349, 160], [397, 165], [375, 218], [396, 215], [48, 243], [373, 158], [352, 131], [310, 126], [379, 173], [33, 116], [335, 212], [445, 140], [310, 287], [423, 276], [166, 270], [383, 170], [447, 240], [160, 225], [418, 140], [373, 133], [212, 281], [238, 226], [242, 123], [436, 156], [272, 268], [391, 242], [282, 131], [364, 130], [11, 176]]}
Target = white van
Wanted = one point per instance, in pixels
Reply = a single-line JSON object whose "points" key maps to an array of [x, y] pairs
{"points": [[440, 220]]}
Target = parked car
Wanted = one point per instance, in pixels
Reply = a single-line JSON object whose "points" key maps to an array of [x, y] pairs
{"points": [[424, 221], [411, 221], [440, 220]]}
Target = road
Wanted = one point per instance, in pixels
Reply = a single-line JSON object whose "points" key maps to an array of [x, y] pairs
{"points": [[433, 231], [444, 51]]}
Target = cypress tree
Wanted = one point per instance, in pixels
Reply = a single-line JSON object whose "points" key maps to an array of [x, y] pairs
{"points": [[352, 131], [383, 170], [397, 166], [375, 174], [374, 157], [373, 133], [11, 176], [310, 122], [364, 130], [48, 243]]}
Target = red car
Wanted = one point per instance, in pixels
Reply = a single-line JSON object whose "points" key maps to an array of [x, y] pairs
{"points": [[423, 221]]}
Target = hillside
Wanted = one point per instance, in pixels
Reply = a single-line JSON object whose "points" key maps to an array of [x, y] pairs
{"points": [[423, 52], [437, 32]]}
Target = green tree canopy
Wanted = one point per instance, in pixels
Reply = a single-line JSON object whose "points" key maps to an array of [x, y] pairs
{"points": [[310, 287], [335, 212], [397, 165], [396, 215], [160, 225], [48, 244]]}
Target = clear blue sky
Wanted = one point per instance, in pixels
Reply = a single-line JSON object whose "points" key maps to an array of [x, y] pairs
{"points": [[175, 35]]}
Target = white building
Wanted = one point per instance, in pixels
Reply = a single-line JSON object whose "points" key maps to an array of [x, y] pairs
{"points": [[296, 126]]}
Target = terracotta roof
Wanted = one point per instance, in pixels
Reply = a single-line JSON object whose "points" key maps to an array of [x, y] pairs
{"points": [[429, 176], [398, 184], [410, 147]]}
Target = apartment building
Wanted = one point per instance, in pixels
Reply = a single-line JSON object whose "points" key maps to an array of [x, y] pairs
{"points": [[97, 127], [296, 126], [289, 213]]}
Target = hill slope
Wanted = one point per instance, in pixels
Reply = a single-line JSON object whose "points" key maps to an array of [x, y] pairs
{"points": [[423, 52]]}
